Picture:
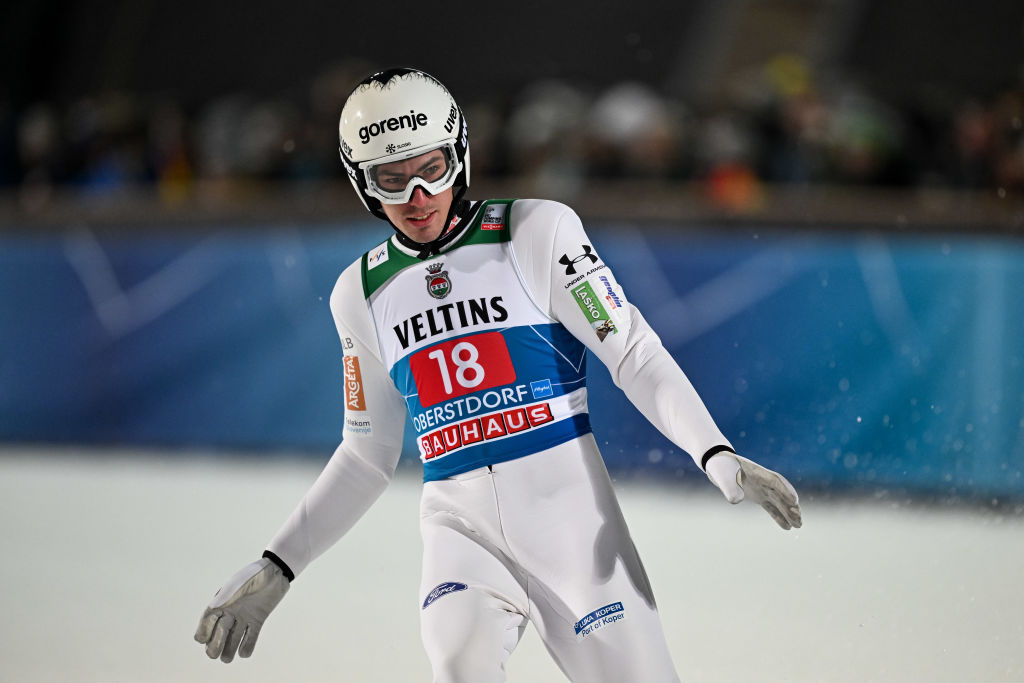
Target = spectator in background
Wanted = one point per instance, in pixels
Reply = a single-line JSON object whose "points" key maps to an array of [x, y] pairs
{"points": [[39, 152], [794, 125], [972, 146], [1008, 157], [106, 138], [633, 131], [865, 139], [546, 127], [779, 126], [167, 155], [725, 153], [8, 145]]}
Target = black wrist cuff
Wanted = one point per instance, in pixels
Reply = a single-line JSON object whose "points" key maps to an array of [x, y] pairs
{"points": [[713, 451], [288, 574]]}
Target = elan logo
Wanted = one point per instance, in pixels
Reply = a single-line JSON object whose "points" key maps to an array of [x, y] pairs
{"points": [[412, 120]]}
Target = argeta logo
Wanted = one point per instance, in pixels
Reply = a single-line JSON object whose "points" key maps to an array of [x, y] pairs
{"points": [[411, 120], [570, 264], [438, 284], [353, 384]]}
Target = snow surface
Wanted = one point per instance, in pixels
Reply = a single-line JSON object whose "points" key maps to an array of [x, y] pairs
{"points": [[109, 559]]}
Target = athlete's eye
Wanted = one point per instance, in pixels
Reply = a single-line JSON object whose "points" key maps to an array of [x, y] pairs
{"points": [[393, 182]]}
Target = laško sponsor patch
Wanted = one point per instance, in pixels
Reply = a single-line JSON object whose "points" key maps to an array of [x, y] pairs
{"points": [[454, 437], [442, 590], [594, 310], [598, 619]]}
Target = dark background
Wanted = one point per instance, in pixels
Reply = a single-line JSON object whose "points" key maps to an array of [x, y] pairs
{"points": [[63, 49]]}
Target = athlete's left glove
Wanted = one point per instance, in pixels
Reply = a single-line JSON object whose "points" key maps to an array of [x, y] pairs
{"points": [[738, 478], [234, 617]]}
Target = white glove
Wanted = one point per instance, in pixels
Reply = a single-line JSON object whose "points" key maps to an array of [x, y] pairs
{"points": [[738, 478], [236, 614]]}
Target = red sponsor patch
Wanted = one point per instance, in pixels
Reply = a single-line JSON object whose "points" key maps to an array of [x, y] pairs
{"points": [[539, 414], [494, 426], [461, 366], [453, 437], [471, 432], [426, 448], [494, 218], [515, 420], [437, 443]]}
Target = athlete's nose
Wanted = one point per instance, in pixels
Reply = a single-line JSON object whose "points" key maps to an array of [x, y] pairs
{"points": [[419, 196]]}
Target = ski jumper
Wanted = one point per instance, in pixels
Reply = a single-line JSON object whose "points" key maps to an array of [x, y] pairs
{"points": [[484, 346]]}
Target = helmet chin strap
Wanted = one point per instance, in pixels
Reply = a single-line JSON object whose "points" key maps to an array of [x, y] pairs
{"points": [[459, 207]]}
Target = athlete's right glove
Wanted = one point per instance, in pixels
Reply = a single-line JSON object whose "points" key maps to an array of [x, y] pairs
{"points": [[234, 617], [738, 478]]}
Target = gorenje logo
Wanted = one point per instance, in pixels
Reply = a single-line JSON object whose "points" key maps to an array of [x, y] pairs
{"points": [[411, 120]]}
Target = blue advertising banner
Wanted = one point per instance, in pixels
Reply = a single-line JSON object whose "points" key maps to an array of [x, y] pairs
{"points": [[847, 359]]}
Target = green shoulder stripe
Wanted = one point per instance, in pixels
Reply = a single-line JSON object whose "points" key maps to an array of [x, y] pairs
{"points": [[381, 263], [490, 226]]}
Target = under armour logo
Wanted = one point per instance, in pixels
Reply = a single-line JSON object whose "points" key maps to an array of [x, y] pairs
{"points": [[570, 264]]}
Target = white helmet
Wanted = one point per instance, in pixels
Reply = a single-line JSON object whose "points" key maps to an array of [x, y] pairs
{"points": [[395, 115]]}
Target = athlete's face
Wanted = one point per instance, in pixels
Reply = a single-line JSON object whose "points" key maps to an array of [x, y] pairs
{"points": [[422, 218]]}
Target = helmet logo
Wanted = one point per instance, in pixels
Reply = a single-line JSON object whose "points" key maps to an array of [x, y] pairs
{"points": [[453, 116], [349, 168], [438, 284], [411, 120]]}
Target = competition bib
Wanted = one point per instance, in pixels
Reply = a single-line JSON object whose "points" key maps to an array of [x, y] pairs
{"points": [[487, 376]]}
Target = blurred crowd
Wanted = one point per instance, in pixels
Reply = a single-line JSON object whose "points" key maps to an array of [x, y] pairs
{"points": [[778, 124]]}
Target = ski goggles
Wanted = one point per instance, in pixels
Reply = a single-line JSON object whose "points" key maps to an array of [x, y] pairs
{"points": [[393, 179]]}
